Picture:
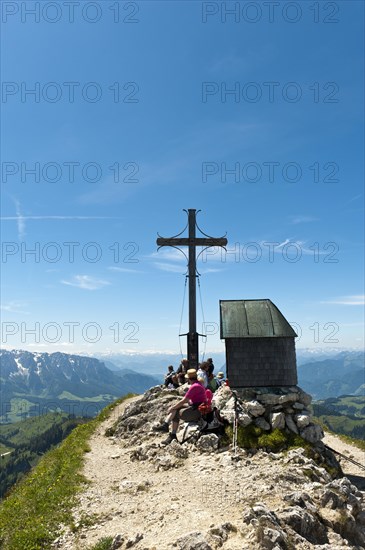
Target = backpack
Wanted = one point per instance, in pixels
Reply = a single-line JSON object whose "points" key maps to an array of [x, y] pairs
{"points": [[206, 407], [214, 423]]}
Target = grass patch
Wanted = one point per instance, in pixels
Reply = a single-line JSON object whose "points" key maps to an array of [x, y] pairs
{"points": [[253, 437], [19, 408], [359, 443], [84, 521], [103, 544], [30, 517]]}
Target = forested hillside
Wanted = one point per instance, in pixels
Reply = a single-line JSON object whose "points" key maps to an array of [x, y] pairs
{"points": [[22, 444], [343, 415]]}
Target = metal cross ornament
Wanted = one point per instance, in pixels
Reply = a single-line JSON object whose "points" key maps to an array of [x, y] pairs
{"points": [[192, 242]]}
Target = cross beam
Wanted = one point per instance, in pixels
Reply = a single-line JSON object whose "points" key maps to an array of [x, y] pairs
{"points": [[192, 242]]}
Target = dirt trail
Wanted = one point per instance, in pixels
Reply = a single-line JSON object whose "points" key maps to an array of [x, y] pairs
{"points": [[353, 472], [130, 497], [170, 504]]}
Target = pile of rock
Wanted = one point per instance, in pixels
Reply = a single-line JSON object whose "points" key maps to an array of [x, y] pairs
{"points": [[330, 516], [267, 408], [327, 513], [270, 408]]}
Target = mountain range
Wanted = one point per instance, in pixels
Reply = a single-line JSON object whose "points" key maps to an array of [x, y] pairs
{"points": [[322, 373], [34, 383], [335, 376]]}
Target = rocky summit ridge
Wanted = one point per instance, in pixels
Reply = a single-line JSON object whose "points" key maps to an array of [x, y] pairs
{"points": [[201, 495]]}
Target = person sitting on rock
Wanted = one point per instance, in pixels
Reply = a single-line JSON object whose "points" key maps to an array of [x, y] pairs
{"points": [[171, 378], [182, 370], [213, 383], [203, 373], [220, 378], [186, 409], [210, 365]]}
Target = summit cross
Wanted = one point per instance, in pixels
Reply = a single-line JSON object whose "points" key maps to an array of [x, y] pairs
{"points": [[192, 242]]}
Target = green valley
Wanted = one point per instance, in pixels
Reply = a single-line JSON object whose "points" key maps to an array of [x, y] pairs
{"points": [[22, 444], [343, 415]]}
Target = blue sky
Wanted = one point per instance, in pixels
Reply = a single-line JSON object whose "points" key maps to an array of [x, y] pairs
{"points": [[255, 118]]}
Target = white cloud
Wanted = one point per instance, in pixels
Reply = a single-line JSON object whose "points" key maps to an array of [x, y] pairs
{"points": [[124, 269], [14, 307], [168, 254], [174, 268], [302, 219], [20, 220], [353, 300], [170, 259], [7, 218], [210, 270], [86, 282]]}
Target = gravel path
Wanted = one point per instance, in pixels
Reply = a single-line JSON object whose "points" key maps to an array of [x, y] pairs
{"points": [[353, 472], [131, 498]]}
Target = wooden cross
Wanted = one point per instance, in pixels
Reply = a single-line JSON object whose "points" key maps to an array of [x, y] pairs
{"points": [[192, 242]]}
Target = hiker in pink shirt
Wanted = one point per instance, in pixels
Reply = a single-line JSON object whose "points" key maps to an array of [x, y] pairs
{"points": [[186, 409]]}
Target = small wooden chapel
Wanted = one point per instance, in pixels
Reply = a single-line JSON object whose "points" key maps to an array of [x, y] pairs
{"points": [[260, 345]]}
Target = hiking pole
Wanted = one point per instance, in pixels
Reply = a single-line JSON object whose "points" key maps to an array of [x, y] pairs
{"points": [[235, 423], [346, 458]]}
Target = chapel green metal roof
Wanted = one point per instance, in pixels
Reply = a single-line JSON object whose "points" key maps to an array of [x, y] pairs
{"points": [[253, 319]]}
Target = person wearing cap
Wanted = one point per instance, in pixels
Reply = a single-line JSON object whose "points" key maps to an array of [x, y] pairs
{"points": [[220, 378], [213, 383], [186, 409]]}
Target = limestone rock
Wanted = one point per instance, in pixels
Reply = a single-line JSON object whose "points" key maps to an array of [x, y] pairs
{"points": [[312, 433], [178, 450], [302, 420], [255, 408], [297, 456], [270, 539], [304, 398], [221, 396], [288, 398], [244, 419], [344, 524], [305, 524], [291, 424], [261, 423], [228, 412], [208, 443], [192, 541], [269, 399], [117, 542], [133, 540], [268, 531], [166, 462], [217, 536], [257, 511], [298, 499], [277, 420], [181, 390]]}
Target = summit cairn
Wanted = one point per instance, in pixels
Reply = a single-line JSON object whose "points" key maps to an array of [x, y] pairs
{"points": [[269, 409]]}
